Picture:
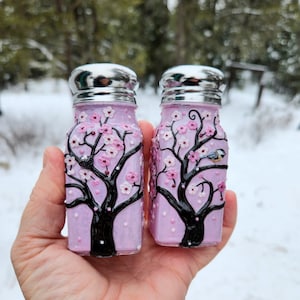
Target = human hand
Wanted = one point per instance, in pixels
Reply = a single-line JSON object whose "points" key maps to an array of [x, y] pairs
{"points": [[46, 269]]}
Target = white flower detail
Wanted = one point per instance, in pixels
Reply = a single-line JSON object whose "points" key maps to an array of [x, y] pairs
{"points": [[111, 151], [70, 160], [109, 112], [192, 189], [167, 135], [74, 141], [183, 142], [82, 117], [85, 174], [169, 161], [108, 139], [125, 188], [176, 115]]}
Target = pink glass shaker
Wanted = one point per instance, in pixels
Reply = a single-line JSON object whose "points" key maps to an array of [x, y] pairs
{"points": [[189, 159], [104, 163]]}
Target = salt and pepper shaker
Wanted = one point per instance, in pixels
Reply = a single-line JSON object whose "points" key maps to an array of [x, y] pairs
{"points": [[189, 159], [104, 163]]}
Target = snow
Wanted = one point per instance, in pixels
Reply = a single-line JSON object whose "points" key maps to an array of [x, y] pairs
{"points": [[261, 260]]}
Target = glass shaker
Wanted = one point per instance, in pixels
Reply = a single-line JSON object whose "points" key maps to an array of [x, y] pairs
{"points": [[104, 163], [189, 159]]}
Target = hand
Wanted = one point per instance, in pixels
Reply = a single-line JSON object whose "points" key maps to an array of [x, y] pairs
{"points": [[46, 269]]}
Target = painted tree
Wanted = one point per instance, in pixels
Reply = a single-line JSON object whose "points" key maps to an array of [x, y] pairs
{"points": [[188, 169], [103, 171]]}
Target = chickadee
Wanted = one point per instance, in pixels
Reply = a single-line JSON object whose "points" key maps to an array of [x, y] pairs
{"points": [[216, 156]]}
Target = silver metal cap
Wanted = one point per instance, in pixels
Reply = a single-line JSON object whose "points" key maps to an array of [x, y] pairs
{"points": [[192, 83], [103, 82]]}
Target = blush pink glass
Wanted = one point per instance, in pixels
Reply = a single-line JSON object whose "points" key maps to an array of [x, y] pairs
{"points": [[189, 159], [104, 163]]}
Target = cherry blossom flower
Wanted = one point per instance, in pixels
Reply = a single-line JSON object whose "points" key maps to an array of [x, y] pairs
{"points": [[169, 161], [209, 131], [192, 125], [202, 151], [109, 112], [82, 117], [192, 189], [176, 115], [127, 126], [193, 156], [104, 161], [70, 160], [83, 128], [118, 144], [207, 115], [126, 188], [182, 129], [85, 174], [105, 129], [172, 173], [111, 151], [74, 141], [131, 177], [221, 186], [95, 117], [167, 135], [108, 139], [183, 142]]}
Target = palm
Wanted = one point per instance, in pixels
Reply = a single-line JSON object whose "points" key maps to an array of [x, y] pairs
{"points": [[46, 269]]}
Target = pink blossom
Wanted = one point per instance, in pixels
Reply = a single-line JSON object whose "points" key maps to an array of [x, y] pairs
{"points": [[95, 117], [221, 186], [118, 144], [104, 161], [192, 125], [105, 129], [172, 173], [193, 156], [182, 129], [127, 126], [132, 177], [209, 131], [82, 128]]}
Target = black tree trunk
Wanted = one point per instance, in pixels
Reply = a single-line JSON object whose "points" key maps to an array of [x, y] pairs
{"points": [[194, 233], [102, 240]]}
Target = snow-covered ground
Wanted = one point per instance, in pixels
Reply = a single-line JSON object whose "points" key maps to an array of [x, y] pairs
{"points": [[261, 262]]}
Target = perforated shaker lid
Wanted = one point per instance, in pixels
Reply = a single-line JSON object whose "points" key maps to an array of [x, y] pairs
{"points": [[103, 82], [192, 83]]}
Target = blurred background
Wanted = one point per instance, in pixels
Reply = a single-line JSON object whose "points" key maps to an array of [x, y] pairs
{"points": [[50, 38], [257, 45]]}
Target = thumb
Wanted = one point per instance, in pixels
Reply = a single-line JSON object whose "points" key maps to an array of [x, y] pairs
{"points": [[44, 214]]}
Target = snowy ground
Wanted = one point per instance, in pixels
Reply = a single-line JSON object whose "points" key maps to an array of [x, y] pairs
{"points": [[261, 261]]}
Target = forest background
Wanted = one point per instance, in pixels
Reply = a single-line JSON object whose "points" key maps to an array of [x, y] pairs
{"points": [[49, 38]]}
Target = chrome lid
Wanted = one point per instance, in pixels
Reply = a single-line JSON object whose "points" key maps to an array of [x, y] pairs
{"points": [[103, 82], [192, 83]]}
